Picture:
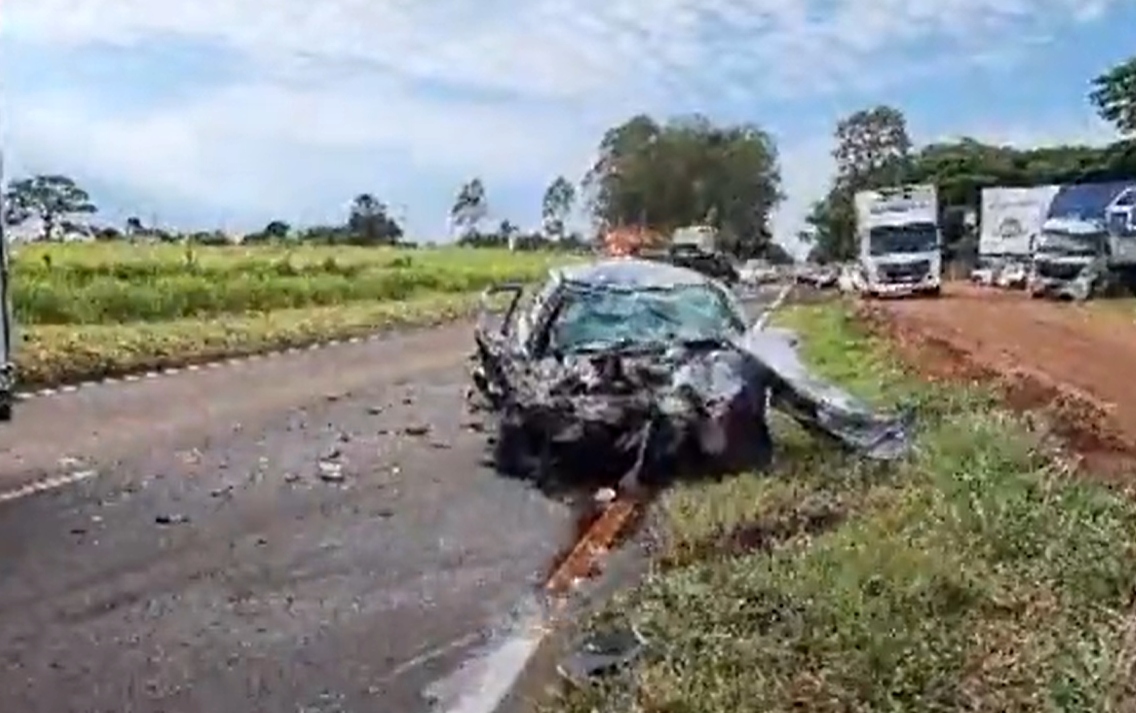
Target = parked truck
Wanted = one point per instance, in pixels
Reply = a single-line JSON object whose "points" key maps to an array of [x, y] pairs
{"points": [[899, 241], [1087, 243], [1010, 224], [7, 370]]}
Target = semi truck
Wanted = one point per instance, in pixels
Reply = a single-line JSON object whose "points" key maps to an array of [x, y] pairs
{"points": [[1010, 223], [7, 370], [1086, 246], [900, 245]]}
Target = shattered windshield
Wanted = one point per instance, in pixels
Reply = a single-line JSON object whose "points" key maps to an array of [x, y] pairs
{"points": [[600, 319], [1067, 244], [911, 238]]}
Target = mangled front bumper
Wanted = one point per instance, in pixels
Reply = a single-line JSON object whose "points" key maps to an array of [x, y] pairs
{"points": [[615, 417], [688, 409]]}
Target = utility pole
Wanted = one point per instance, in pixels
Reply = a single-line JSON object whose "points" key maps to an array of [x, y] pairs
{"points": [[7, 370]]}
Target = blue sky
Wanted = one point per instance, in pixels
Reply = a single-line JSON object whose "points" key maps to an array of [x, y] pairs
{"points": [[229, 113]]}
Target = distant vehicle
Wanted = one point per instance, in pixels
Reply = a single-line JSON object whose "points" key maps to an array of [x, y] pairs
{"points": [[899, 240], [1087, 243], [696, 247], [1010, 225], [7, 369], [758, 272]]}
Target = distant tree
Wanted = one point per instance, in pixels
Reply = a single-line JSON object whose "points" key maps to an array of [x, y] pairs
{"points": [[872, 147], [559, 199], [370, 222], [471, 206], [108, 233], [664, 175], [277, 230], [51, 198], [1114, 96], [133, 227]]}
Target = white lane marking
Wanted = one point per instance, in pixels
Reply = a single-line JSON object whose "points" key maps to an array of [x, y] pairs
{"points": [[46, 484], [486, 683]]}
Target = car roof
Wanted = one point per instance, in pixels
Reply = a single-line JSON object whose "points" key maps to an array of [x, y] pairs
{"points": [[631, 273]]}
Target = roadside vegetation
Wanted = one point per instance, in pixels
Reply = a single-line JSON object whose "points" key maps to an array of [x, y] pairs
{"points": [[979, 575], [98, 309]]}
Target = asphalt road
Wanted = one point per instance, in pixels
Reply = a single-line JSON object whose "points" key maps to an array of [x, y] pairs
{"points": [[266, 536]]}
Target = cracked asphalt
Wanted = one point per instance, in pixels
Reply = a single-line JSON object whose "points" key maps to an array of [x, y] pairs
{"points": [[314, 532]]}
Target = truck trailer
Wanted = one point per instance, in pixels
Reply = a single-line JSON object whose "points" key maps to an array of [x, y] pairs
{"points": [[900, 245], [1009, 226], [1087, 243]]}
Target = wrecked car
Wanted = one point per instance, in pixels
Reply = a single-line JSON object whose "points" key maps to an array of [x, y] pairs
{"points": [[633, 371]]}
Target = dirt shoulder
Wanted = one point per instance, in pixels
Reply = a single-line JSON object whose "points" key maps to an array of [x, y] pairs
{"points": [[1069, 364]]}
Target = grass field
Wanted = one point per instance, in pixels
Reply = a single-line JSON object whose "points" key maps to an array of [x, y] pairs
{"points": [[89, 310], [981, 575]]}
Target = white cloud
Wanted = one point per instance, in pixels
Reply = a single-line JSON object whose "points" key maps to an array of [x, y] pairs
{"points": [[338, 76]]}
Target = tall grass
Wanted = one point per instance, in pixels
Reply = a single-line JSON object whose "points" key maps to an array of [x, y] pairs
{"points": [[116, 283]]}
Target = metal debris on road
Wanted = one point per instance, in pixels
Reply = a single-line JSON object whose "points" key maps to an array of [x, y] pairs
{"points": [[331, 472]]}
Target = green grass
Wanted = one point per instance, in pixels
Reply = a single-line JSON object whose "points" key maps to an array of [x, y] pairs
{"points": [[121, 282], [978, 575], [55, 354], [85, 311]]}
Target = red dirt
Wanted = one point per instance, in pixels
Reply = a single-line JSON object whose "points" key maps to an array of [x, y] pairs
{"points": [[1071, 362]]}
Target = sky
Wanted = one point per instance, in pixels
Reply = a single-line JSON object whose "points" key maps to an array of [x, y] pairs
{"points": [[207, 114]]}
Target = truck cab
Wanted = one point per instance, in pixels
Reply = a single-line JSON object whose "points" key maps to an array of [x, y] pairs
{"points": [[900, 242], [1070, 259]]}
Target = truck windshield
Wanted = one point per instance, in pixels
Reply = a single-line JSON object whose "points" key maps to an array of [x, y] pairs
{"points": [[913, 238], [1065, 244]]}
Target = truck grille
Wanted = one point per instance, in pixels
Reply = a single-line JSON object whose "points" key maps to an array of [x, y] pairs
{"points": [[1058, 270], [905, 272]]}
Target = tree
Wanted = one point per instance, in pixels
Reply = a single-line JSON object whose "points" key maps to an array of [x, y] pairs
{"points": [[833, 228], [471, 206], [370, 223], [559, 199], [872, 147], [665, 175], [276, 230], [51, 198], [1114, 96]]}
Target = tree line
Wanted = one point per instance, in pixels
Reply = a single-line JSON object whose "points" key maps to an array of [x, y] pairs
{"points": [[661, 174], [872, 149]]}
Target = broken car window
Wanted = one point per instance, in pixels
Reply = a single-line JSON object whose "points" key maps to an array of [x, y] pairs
{"points": [[602, 318]]}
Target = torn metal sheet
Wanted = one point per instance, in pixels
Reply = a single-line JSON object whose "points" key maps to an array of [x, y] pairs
{"points": [[631, 369]]}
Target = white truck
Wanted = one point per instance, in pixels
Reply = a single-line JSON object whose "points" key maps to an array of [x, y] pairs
{"points": [[900, 244], [1087, 243], [1011, 220], [7, 370]]}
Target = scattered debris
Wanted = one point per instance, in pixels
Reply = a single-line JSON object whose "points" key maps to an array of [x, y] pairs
{"points": [[331, 472], [600, 654], [374, 410], [418, 429], [171, 519]]}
